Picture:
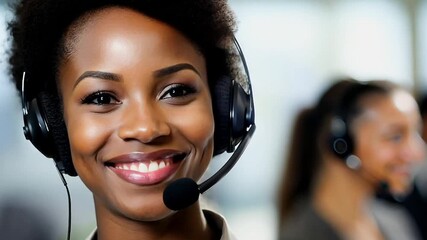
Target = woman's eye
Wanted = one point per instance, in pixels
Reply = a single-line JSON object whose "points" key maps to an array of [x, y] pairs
{"points": [[100, 98], [176, 91], [396, 138]]}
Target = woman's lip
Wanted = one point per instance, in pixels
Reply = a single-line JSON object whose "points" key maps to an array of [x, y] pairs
{"points": [[146, 168], [148, 178]]}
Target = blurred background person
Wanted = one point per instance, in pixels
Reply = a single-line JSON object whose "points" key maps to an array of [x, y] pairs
{"points": [[359, 137], [416, 202], [416, 199]]}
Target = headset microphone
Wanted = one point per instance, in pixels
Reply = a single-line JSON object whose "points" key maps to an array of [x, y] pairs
{"points": [[184, 192]]}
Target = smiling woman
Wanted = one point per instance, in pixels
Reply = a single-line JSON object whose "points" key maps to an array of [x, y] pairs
{"points": [[359, 139], [136, 85], [142, 110]]}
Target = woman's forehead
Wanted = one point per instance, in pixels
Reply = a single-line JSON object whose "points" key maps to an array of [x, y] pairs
{"points": [[394, 108]]}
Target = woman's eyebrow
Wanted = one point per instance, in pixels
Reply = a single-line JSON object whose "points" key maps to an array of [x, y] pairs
{"points": [[115, 77], [98, 74], [173, 69]]}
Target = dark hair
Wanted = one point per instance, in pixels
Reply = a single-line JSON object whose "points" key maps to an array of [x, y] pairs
{"points": [[311, 135], [39, 27], [43, 32]]}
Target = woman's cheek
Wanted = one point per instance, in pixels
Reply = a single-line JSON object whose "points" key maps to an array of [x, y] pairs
{"points": [[86, 136], [199, 128], [203, 134]]}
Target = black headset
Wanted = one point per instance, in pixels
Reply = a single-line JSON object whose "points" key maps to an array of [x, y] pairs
{"points": [[341, 140], [233, 108]]}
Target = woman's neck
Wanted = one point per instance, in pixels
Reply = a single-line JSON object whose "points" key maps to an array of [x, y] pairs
{"points": [[341, 196], [188, 224]]}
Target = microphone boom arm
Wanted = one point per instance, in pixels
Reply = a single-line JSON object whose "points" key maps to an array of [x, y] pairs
{"points": [[230, 162]]}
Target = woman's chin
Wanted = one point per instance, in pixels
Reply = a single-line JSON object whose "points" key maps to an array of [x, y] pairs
{"points": [[149, 213], [400, 190]]}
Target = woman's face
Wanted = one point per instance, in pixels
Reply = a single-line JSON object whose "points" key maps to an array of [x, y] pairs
{"points": [[138, 111], [387, 139]]}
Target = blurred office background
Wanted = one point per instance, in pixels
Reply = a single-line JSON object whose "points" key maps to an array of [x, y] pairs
{"points": [[293, 48]]}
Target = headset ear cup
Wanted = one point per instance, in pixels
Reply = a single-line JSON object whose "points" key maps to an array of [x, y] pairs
{"points": [[36, 129], [340, 147], [240, 108], [221, 107], [49, 105], [233, 114], [340, 142]]}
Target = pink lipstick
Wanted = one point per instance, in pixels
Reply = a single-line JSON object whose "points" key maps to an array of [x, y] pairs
{"points": [[146, 168]]}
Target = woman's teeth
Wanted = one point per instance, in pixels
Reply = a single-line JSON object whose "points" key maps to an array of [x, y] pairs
{"points": [[143, 167]]}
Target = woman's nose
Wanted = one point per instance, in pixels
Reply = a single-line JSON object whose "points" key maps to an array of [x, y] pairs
{"points": [[143, 123]]}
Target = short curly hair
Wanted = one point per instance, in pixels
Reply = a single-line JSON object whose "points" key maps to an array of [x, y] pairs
{"points": [[39, 27], [43, 33]]}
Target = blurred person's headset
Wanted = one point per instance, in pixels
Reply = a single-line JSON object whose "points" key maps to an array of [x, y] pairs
{"points": [[341, 140]]}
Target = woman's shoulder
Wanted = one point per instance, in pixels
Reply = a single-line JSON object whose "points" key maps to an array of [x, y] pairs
{"points": [[305, 223], [393, 220]]}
